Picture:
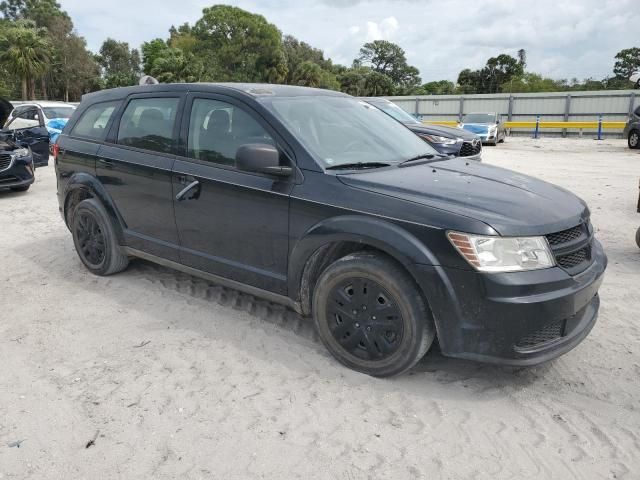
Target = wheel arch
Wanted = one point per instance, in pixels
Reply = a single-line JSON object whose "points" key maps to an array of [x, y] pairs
{"points": [[337, 237], [82, 186]]}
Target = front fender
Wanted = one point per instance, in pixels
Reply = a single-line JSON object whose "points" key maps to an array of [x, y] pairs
{"points": [[87, 183], [379, 233]]}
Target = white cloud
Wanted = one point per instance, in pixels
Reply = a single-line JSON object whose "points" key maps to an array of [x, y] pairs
{"points": [[563, 39]]}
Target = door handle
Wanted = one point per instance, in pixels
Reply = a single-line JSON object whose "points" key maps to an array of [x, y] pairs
{"points": [[182, 193]]}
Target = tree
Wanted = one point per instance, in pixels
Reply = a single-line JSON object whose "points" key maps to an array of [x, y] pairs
{"points": [[389, 59], [151, 51], [239, 46], [297, 53], [25, 52], [497, 72], [309, 74], [173, 65], [120, 65], [440, 87], [627, 62]]}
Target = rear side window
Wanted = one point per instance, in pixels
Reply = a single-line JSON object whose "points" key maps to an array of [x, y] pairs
{"points": [[148, 123], [93, 122]]}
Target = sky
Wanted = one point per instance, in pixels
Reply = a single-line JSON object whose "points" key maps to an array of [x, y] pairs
{"points": [[563, 39]]}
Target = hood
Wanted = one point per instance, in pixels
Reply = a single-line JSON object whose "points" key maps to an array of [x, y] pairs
{"points": [[478, 127], [511, 203], [5, 110], [441, 130]]}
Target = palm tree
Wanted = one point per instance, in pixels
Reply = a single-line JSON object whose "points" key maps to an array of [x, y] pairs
{"points": [[25, 52]]}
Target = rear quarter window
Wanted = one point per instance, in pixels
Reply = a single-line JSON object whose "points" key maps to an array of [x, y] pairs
{"points": [[93, 122]]}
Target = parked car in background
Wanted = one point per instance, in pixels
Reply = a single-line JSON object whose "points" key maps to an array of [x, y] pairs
{"points": [[31, 114], [446, 140], [33, 135], [320, 201], [635, 78], [632, 129], [488, 126], [16, 157]]}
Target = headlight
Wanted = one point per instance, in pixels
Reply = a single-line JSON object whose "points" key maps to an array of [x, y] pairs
{"points": [[21, 153], [493, 130], [440, 140], [503, 254]]}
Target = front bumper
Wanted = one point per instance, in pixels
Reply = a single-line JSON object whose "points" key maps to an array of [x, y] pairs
{"points": [[18, 174], [520, 318]]}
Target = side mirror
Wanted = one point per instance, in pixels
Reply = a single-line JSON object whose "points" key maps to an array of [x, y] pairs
{"points": [[261, 158]]}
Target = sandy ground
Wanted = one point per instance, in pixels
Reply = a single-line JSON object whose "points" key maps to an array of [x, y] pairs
{"points": [[177, 378]]}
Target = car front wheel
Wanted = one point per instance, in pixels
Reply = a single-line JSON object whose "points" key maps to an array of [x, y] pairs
{"points": [[95, 239], [371, 316], [634, 139]]}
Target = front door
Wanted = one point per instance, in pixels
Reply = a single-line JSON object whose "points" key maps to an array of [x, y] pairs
{"points": [[134, 166], [29, 131], [231, 223]]}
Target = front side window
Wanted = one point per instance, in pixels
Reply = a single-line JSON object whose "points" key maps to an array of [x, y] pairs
{"points": [[344, 130], [93, 123], [217, 129], [148, 123]]}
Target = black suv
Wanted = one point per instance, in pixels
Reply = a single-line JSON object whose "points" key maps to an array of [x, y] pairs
{"points": [[322, 202], [21, 151]]}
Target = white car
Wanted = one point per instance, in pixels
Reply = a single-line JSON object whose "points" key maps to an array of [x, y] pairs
{"points": [[32, 114], [635, 78]]}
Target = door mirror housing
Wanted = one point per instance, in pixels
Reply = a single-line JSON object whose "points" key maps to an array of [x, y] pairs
{"points": [[261, 158]]}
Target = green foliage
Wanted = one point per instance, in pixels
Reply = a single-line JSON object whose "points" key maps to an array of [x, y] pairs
{"points": [[497, 72], [120, 65], [389, 59], [364, 82], [25, 53], [627, 62], [238, 46], [151, 51], [440, 87]]}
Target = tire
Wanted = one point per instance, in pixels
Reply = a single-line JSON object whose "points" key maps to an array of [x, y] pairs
{"points": [[634, 139], [638, 237], [20, 189], [95, 239], [368, 343]]}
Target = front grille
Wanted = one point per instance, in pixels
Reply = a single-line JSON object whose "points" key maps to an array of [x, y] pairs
{"points": [[546, 334], [574, 259], [468, 149], [5, 161], [565, 236], [572, 248]]}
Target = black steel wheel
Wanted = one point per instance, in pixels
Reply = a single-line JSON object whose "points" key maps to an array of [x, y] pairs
{"points": [[634, 139], [365, 319], [371, 315], [95, 239]]}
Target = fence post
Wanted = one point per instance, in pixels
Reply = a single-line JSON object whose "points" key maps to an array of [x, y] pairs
{"points": [[599, 127], [461, 112], [535, 134], [567, 110], [417, 109], [632, 99]]}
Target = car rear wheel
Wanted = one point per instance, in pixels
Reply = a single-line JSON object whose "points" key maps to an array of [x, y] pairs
{"points": [[95, 239], [634, 139], [371, 316]]}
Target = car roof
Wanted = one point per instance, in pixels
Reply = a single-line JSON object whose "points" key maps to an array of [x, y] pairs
{"points": [[42, 104], [249, 89]]}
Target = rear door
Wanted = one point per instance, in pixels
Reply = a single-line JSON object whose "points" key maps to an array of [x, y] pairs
{"points": [[29, 131], [134, 165], [232, 223]]}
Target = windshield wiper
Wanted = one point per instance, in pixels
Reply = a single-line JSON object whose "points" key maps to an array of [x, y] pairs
{"points": [[427, 157], [357, 166]]}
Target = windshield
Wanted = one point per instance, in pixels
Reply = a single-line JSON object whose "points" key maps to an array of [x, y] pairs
{"points": [[396, 112], [343, 130], [479, 118], [58, 112]]}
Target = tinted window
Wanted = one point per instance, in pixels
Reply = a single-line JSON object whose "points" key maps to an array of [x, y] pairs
{"points": [[148, 123], [217, 129], [93, 123]]}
